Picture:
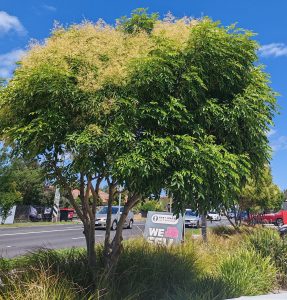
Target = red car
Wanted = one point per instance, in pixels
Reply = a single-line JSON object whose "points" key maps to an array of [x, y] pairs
{"points": [[66, 214], [279, 218]]}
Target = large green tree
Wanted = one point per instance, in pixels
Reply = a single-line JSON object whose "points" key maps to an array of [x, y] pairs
{"points": [[21, 182], [258, 195], [261, 194], [174, 104]]}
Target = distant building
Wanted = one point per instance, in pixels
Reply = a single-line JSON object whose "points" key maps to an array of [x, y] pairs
{"points": [[104, 196]]}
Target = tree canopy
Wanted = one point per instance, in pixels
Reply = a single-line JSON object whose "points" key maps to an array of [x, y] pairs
{"points": [[261, 195], [149, 104]]}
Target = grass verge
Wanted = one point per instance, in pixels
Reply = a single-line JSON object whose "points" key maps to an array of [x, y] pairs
{"points": [[225, 267]]}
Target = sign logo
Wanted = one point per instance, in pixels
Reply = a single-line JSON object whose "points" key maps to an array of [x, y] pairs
{"points": [[164, 219]]}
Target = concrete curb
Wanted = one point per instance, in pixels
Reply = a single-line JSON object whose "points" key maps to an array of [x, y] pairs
{"points": [[280, 296]]}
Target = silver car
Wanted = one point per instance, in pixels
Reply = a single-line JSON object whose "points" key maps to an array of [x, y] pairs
{"points": [[101, 217], [192, 219]]}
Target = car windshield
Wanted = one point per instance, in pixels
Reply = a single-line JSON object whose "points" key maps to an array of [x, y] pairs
{"points": [[104, 210], [190, 213]]}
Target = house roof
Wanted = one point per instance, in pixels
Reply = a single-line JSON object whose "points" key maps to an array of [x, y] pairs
{"points": [[103, 195]]}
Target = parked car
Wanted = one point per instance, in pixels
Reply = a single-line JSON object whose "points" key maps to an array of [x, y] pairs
{"points": [[279, 218], [101, 217], [231, 214], [192, 219], [243, 215], [213, 216], [66, 214]]}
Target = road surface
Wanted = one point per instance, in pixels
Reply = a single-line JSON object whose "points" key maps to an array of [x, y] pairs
{"points": [[15, 241]]}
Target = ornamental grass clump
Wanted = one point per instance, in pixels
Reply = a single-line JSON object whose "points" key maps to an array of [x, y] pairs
{"points": [[268, 243], [246, 272]]}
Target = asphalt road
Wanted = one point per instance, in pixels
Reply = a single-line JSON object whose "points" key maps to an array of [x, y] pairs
{"points": [[15, 241]]}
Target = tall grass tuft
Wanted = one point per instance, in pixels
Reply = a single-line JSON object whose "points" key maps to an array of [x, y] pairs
{"points": [[246, 272], [268, 243], [148, 272]]}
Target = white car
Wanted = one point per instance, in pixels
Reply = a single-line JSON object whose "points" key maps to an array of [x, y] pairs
{"points": [[214, 216], [192, 219], [101, 217]]}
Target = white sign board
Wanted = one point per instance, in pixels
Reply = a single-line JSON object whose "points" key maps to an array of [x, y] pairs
{"points": [[10, 218], [163, 228]]}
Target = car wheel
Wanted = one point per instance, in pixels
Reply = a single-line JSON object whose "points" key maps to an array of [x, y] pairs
{"points": [[130, 226], [279, 222], [114, 225]]}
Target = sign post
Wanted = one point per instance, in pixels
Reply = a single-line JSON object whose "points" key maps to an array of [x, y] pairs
{"points": [[56, 206], [163, 228]]}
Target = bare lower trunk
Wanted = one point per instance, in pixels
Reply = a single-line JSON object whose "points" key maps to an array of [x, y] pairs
{"points": [[89, 231], [204, 227], [116, 245], [107, 245]]}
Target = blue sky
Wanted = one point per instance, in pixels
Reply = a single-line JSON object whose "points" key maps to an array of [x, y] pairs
{"points": [[21, 21]]}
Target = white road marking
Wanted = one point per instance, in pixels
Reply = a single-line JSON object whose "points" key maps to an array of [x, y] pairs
{"points": [[82, 237], [8, 246], [73, 227], [35, 232]]}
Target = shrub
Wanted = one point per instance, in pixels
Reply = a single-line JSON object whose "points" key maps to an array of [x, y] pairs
{"points": [[224, 230], [246, 272], [151, 205], [268, 243]]}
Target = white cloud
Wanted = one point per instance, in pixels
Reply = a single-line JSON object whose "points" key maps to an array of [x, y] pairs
{"points": [[10, 23], [274, 49], [279, 144], [271, 132], [8, 60], [49, 7]]}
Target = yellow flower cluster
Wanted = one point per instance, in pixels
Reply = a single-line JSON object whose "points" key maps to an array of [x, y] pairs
{"points": [[101, 54]]}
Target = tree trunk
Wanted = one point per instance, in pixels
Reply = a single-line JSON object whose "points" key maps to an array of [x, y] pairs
{"points": [[85, 212], [204, 227], [89, 231], [116, 245], [107, 245]]}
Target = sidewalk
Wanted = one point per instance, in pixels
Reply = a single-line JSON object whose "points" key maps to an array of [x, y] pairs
{"points": [[280, 296]]}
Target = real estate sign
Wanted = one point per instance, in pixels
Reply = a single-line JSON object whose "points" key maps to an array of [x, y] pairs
{"points": [[163, 228]]}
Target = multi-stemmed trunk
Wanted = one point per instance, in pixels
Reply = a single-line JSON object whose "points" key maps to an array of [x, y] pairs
{"points": [[114, 248], [86, 212]]}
